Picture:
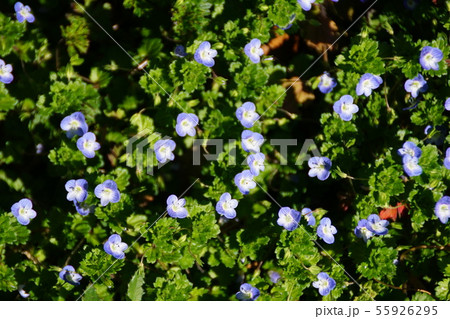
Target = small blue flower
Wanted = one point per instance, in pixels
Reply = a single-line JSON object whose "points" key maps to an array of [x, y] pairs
{"points": [[205, 55], [409, 151], [115, 247], [320, 167], [77, 190], [367, 83], [226, 206], [107, 192], [22, 291], [411, 166], [253, 50], [327, 83], [175, 207], [74, 124], [186, 123], [251, 141], [83, 209], [179, 51], [442, 209], [361, 231], [430, 57], [308, 214], [439, 135], [274, 276], [256, 163], [23, 211], [289, 24], [306, 4], [163, 150], [5, 72], [345, 107], [288, 218], [326, 230], [377, 225], [247, 115], [447, 104], [324, 283], [416, 85], [447, 159], [69, 275], [87, 145], [23, 13], [244, 181], [247, 293]]}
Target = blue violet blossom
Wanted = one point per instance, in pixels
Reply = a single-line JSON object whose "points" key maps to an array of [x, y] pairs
{"points": [[416, 85], [253, 50], [377, 225], [205, 55], [442, 209], [74, 124], [256, 163], [175, 207], [308, 214], [247, 115], [186, 123], [226, 206], [367, 83], [447, 104], [274, 276], [23, 211], [69, 275], [107, 192], [320, 167], [247, 293], [345, 108], [180, 51], [244, 181], [23, 13], [251, 141], [87, 145], [306, 4], [327, 83], [411, 166], [288, 218], [115, 247], [447, 159], [326, 231], [409, 150], [361, 231], [430, 57], [77, 190], [6, 72], [163, 150], [83, 209], [324, 283]]}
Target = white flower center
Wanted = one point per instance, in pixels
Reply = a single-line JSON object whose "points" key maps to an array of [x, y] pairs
{"points": [[416, 85], [326, 230], [205, 54], [429, 57], [345, 107], [245, 182], [288, 219], [88, 144], [444, 209], [23, 211], [24, 12], [74, 124], [254, 50], [185, 123], [377, 226], [323, 283], [226, 205], [115, 248], [366, 83], [326, 80], [248, 115]]}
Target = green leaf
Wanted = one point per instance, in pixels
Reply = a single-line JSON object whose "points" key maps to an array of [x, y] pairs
{"points": [[135, 290]]}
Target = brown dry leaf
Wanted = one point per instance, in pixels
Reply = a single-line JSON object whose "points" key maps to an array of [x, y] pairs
{"points": [[297, 93]]}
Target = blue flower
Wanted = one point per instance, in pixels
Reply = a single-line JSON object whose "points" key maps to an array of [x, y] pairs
{"points": [[179, 51], [367, 83], [377, 225], [115, 247], [83, 209], [175, 207], [74, 124], [289, 24], [288, 218], [326, 83], [163, 150], [22, 291], [409, 151], [186, 123], [251, 141], [345, 107], [305, 4], [87, 145], [5, 72], [107, 192], [69, 275], [204, 55], [442, 209], [447, 104], [416, 85], [439, 135], [310, 219], [244, 181], [23, 13], [326, 230], [320, 167], [361, 231], [324, 283], [274, 276], [430, 57], [247, 115], [247, 293], [77, 190], [226, 206], [411, 166], [23, 211], [256, 163], [253, 50], [447, 159]]}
